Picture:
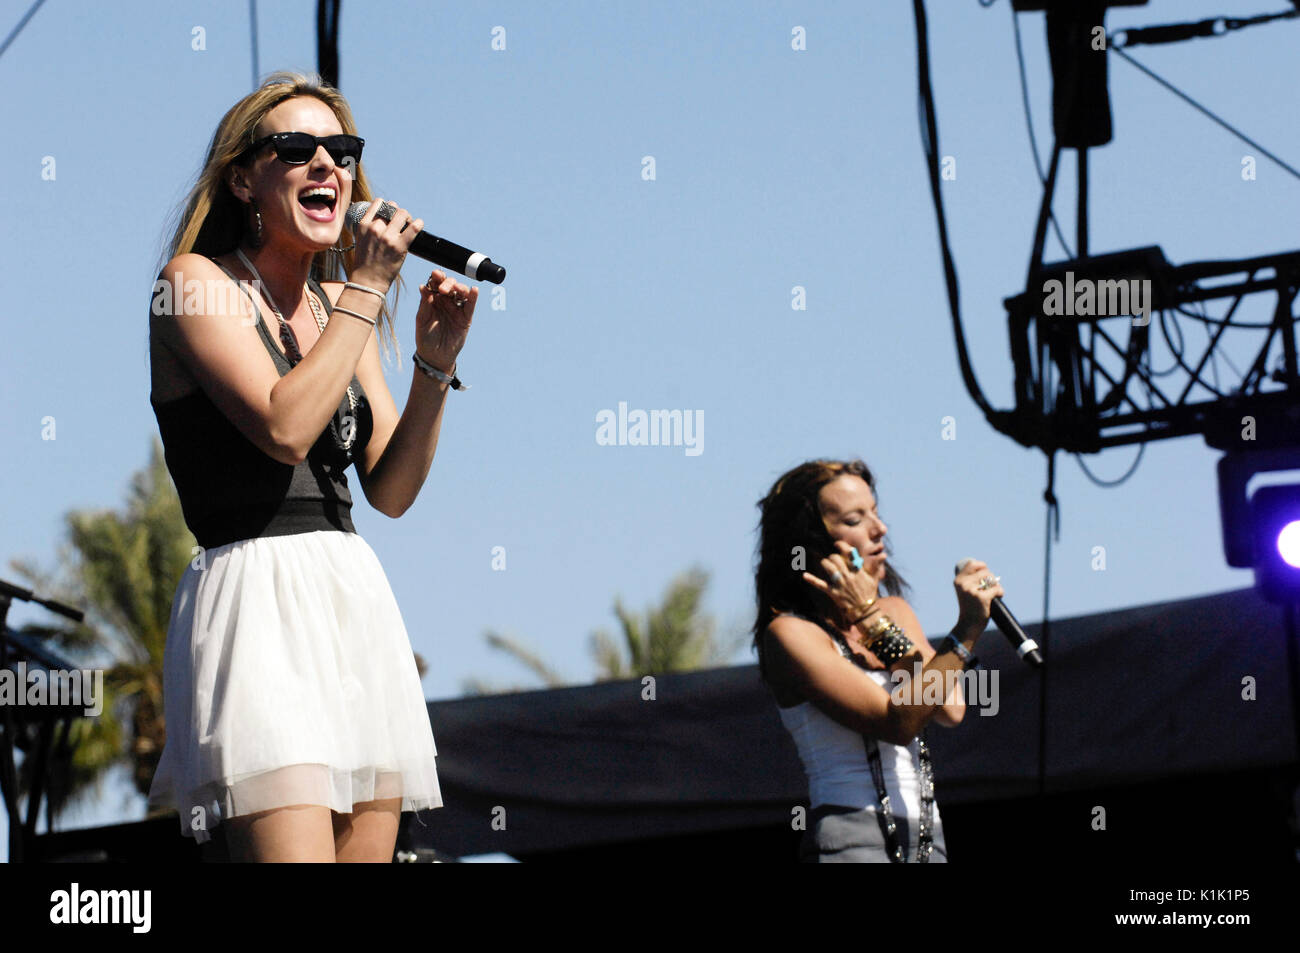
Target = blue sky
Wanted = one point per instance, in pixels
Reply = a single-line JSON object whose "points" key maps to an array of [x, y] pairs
{"points": [[774, 168]]}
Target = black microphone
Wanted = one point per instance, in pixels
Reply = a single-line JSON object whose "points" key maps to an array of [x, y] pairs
{"points": [[1025, 647], [430, 247]]}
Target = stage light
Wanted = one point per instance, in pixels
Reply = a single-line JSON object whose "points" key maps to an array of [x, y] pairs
{"points": [[1261, 530], [1275, 522], [1288, 543]]}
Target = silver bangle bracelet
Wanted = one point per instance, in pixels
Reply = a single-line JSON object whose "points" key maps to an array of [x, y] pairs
{"points": [[955, 645], [373, 291], [355, 314], [442, 377]]}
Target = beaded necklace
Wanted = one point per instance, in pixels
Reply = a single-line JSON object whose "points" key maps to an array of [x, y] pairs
{"points": [[885, 814], [290, 342]]}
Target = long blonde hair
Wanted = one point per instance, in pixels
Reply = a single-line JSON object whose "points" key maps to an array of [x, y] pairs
{"points": [[212, 221]]}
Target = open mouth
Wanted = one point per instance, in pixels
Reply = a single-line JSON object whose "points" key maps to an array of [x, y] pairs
{"points": [[318, 202]]}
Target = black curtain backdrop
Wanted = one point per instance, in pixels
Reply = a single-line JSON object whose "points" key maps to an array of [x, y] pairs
{"points": [[1147, 722], [1148, 698]]}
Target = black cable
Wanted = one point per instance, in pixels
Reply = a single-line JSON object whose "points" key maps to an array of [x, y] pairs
{"points": [[1222, 322], [930, 145], [1053, 522], [1214, 362], [1176, 91], [1179, 362], [1219, 352], [1142, 447], [252, 32], [327, 41], [1108, 484], [1029, 122], [1216, 352], [1177, 352], [13, 34]]}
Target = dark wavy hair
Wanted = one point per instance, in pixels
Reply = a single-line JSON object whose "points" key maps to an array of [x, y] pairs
{"points": [[790, 517]]}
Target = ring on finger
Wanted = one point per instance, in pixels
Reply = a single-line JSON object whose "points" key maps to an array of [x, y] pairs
{"points": [[988, 582], [386, 212], [835, 578]]}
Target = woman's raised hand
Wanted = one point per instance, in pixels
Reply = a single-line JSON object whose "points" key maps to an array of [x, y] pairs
{"points": [[442, 323], [382, 245], [848, 588]]}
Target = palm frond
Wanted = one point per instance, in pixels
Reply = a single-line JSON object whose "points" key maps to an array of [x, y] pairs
{"points": [[526, 657]]}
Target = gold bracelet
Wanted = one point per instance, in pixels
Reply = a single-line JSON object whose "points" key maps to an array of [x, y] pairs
{"points": [[866, 609], [891, 642]]}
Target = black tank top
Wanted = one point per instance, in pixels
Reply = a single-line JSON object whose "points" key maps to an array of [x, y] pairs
{"points": [[230, 490]]}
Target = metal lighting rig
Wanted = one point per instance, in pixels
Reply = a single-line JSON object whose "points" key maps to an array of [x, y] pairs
{"points": [[1087, 332]]}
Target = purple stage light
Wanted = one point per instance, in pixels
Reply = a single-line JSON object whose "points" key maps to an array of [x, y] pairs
{"points": [[1288, 543]]}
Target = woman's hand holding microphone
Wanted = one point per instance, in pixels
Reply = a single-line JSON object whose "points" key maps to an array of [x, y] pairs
{"points": [[384, 235], [976, 589]]}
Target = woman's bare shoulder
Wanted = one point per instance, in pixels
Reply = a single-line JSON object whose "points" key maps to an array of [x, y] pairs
{"points": [[792, 635], [190, 279], [788, 623], [190, 262], [783, 636]]}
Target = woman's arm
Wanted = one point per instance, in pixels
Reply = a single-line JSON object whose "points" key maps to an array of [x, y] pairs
{"points": [[216, 340], [954, 705], [803, 655], [401, 448]]}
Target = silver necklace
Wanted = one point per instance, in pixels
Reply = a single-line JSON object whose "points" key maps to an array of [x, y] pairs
{"points": [[291, 343]]}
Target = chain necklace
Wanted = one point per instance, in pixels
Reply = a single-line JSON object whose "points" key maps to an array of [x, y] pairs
{"points": [[291, 342], [885, 815]]}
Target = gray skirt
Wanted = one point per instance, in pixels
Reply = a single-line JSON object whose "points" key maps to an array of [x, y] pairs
{"points": [[843, 835]]}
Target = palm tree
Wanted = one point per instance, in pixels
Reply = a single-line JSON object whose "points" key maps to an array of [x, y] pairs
{"points": [[522, 654], [672, 637], [124, 569]]}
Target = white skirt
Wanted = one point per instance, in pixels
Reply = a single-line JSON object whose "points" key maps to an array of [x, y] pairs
{"points": [[289, 678]]}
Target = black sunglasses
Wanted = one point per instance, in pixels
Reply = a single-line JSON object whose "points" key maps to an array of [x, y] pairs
{"points": [[298, 148]]}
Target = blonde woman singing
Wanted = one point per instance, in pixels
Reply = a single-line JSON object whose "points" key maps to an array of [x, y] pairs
{"points": [[295, 717]]}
